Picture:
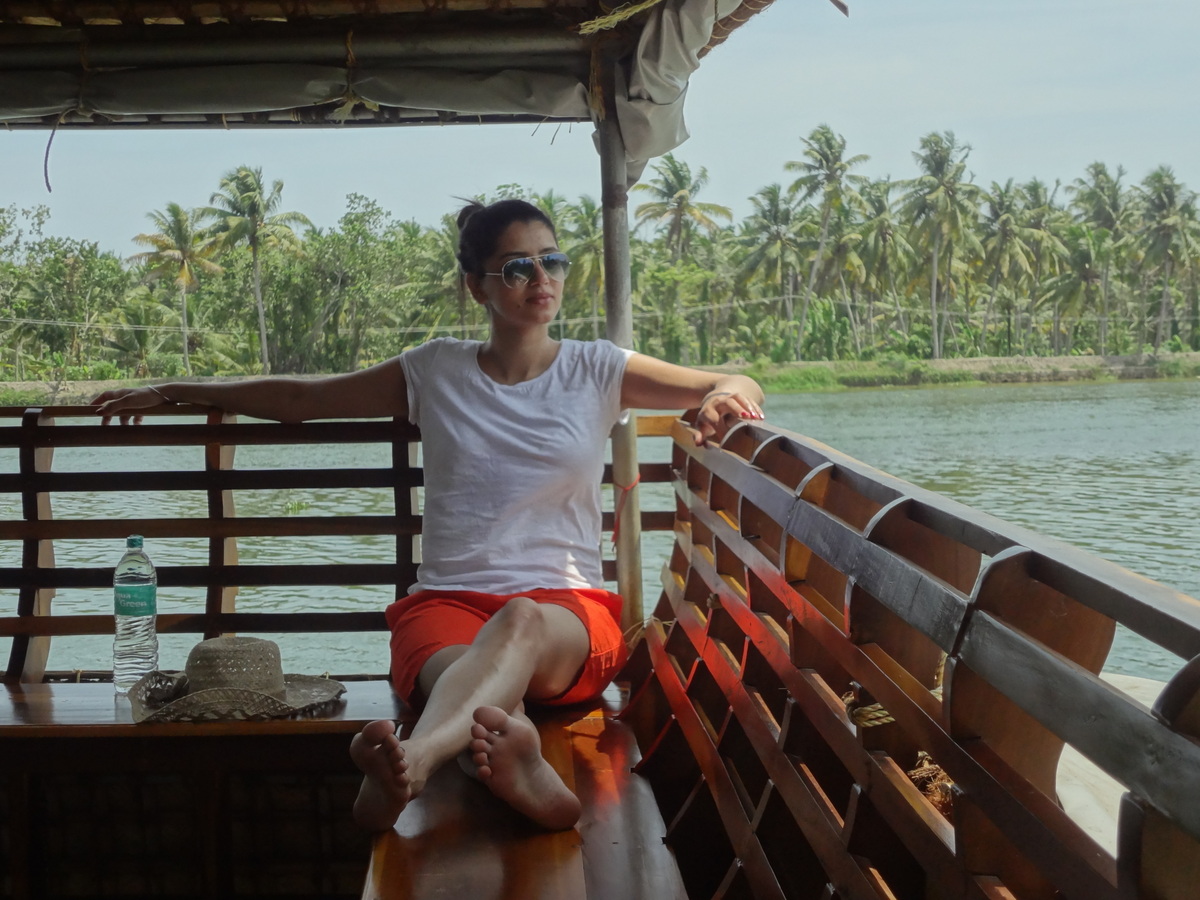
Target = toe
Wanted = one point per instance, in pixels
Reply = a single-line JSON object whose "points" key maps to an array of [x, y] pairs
{"points": [[491, 717]]}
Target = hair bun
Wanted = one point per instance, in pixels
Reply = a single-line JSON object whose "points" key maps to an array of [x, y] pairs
{"points": [[467, 211]]}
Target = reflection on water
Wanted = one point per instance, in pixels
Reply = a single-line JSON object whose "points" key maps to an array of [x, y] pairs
{"points": [[1111, 468]]}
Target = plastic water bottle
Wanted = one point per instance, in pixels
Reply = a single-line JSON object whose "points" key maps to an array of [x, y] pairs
{"points": [[135, 606]]}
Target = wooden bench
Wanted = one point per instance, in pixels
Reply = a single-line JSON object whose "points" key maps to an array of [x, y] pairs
{"points": [[830, 637], [458, 840], [92, 805]]}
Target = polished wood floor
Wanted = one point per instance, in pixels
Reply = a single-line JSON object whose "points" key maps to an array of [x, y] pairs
{"points": [[457, 840]]}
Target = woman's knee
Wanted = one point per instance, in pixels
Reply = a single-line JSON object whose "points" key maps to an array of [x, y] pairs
{"points": [[520, 620]]}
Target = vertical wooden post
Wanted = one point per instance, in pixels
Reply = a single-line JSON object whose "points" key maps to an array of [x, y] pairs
{"points": [[618, 311], [406, 460], [222, 551], [28, 655]]}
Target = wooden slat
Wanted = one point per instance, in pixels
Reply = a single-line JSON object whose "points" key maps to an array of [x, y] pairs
{"points": [[350, 432], [737, 826], [203, 576], [242, 526], [90, 711], [242, 479], [924, 602], [190, 623], [1113, 731]]}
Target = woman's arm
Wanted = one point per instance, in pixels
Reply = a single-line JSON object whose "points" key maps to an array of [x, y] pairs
{"points": [[378, 391], [650, 383]]}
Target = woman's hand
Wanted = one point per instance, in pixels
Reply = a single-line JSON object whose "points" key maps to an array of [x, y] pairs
{"points": [[123, 404], [720, 411]]}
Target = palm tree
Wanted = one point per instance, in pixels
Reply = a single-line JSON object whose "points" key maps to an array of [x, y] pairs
{"points": [[886, 250], [1103, 204], [1045, 219], [1169, 217], [773, 236], [138, 329], [246, 212], [845, 265], [1006, 243], [674, 203], [825, 172], [583, 238], [941, 206], [179, 251], [1074, 288]]}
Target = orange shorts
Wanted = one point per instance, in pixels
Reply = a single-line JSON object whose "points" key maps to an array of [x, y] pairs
{"points": [[428, 621]]}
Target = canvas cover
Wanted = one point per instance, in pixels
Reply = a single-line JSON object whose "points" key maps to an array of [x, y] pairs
{"points": [[650, 102]]}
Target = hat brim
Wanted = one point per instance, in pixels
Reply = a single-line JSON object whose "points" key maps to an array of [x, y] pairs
{"points": [[303, 695]]}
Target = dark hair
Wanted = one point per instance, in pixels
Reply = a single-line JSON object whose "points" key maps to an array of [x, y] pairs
{"points": [[480, 227]]}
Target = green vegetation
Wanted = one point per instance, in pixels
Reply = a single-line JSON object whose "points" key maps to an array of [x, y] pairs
{"points": [[876, 276]]}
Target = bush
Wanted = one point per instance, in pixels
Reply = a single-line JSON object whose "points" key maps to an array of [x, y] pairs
{"points": [[104, 370], [15, 397], [797, 379]]}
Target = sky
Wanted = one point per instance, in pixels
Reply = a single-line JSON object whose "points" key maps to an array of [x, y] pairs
{"points": [[1036, 89]]}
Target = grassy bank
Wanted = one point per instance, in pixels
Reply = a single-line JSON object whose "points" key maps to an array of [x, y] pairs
{"points": [[790, 378], [794, 378]]}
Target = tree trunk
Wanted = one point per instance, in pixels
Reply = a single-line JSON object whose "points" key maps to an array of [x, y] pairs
{"points": [[812, 279], [1195, 310], [850, 315], [1104, 309], [187, 362], [262, 312], [1163, 304], [896, 301], [987, 312], [934, 328]]}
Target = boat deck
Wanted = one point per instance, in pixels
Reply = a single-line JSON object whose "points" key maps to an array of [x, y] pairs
{"points": [[459, 841]]}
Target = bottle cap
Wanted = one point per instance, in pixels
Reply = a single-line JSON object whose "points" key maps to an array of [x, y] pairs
{"points": [[133, 542]]}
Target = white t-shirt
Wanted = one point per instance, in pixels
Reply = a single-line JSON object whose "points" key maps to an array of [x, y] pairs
{"points": [[512, 472]]}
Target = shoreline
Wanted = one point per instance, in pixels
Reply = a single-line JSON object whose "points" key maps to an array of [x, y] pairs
{"points": [[784, 378], [789, 378]]}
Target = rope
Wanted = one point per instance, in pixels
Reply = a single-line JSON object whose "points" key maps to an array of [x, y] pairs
{"points": [[867, 715], [621, 498], [616, 17], [350, 99]]}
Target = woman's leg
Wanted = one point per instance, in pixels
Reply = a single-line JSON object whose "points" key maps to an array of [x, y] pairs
{"points": [[525, 650]]}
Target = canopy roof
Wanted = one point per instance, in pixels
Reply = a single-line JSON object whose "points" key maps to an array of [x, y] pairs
{"points": [[348, 63]]}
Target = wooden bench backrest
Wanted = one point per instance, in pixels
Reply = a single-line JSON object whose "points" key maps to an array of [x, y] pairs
{"points": [[204, 467], [823, 626]]}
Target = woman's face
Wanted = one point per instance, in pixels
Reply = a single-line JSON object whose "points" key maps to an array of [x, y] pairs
{"points": [[536, 301]]}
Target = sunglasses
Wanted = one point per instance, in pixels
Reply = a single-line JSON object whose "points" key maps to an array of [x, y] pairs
{"points": [[520, 271]]}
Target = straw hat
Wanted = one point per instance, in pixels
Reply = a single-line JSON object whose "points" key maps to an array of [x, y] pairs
{"points": [[230, 678]]}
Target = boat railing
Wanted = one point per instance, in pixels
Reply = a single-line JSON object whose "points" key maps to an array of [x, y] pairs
{"points": [[865, 690], [205, 472]]}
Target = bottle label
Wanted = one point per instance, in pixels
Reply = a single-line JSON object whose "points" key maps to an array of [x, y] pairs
{"points": [[135, 600]]}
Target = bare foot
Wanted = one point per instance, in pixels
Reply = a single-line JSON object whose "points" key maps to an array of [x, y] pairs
{"points": [[507, 753], [386, 787]]}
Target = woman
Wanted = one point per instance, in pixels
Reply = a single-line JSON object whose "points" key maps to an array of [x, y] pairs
{"points": [[509, 605]]}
